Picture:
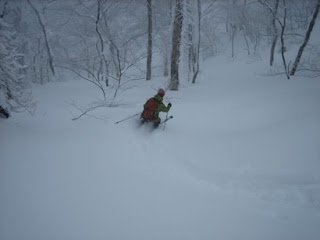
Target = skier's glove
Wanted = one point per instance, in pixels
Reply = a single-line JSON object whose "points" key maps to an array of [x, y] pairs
{"points": [[169, 105]]}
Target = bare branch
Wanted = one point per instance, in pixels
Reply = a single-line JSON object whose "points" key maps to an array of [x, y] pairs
{"points": [[95, 81], [88, 110], [272, 12]]}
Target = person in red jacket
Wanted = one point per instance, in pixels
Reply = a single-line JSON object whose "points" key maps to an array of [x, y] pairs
{"points": [[153, 107]]}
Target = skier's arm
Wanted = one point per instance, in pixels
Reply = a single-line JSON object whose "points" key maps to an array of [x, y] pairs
{"points": [[163, 108]]}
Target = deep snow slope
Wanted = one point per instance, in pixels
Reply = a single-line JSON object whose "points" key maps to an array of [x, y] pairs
{"points": [[240, 160]]}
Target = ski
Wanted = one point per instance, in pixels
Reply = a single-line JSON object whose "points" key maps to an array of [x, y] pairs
{"points": [[152, 127], [166, 120]]}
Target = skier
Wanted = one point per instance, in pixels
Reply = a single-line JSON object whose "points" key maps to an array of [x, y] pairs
{"points": [[152, 108]]}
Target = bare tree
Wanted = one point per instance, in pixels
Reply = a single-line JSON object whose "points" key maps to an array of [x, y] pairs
{"points": [[163, 20], [190, 33], [103, 65], [210, 39], [46, 38], [232, 23], [193, 38], [306, 39], [274, 33], [119, 55], [283, 48], [283, 27], [196, 65], [176, 42], [149, 50]]}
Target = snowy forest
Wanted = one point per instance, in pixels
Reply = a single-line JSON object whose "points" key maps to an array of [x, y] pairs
{"points": [[239, 158], [110, 42]]}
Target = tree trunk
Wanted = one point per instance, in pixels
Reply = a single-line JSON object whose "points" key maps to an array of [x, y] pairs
{"points": [[190, 40], [190, 50], [43, 28], [176, 42], [283, 48], [306, 39], [275, 34], [283, 27], [197, 60], [103, 65], [233, 35], [149, 57]]}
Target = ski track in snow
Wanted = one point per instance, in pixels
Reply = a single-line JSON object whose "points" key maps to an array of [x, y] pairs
{"points": [[295, 189]]}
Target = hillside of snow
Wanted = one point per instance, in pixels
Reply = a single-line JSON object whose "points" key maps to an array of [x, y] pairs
{"points": [[239, 160]]}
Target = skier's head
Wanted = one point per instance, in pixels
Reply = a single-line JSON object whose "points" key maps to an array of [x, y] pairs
{"points": [[161, 92]]}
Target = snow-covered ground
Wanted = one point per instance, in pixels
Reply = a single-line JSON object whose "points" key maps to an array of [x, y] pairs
{"points": [[239, 160]]}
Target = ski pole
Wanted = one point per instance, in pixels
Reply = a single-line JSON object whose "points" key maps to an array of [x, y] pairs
{"points": [[164, 126], [126, 118]]}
